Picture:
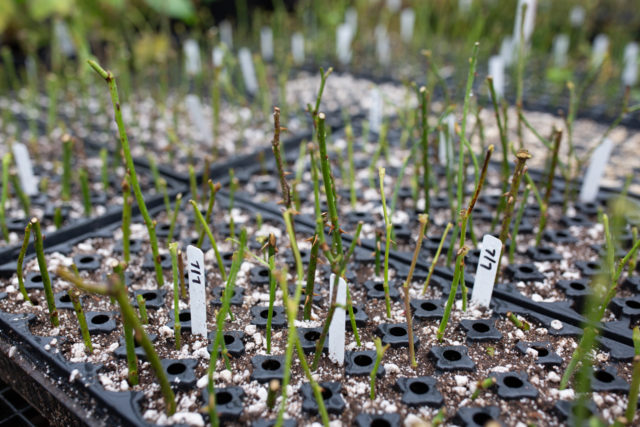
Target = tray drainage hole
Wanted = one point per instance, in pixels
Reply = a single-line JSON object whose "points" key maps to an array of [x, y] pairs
{"points": [[593, 265], [37, 278], [545, 251], [513, 382], [86, 260], [542, 352], [264, 273], [481, 418], [65, 298], [355, 310], [525, 269], [562, 234], [312, 336], [452, 355], [379, 287], [326, 393], [577, 286], [223, 397], [363, 360], [428, 306], [603, 376], [380, 422], [149, 296], [418, 387], [185, 317], [230, 256], [264, 314], [164, 226], [398, 331], [163, 257], [360, 214], [99, 319], [303, 254], [632, 304], [480, 327], [271, 365], [176, 368], [229, 339]]}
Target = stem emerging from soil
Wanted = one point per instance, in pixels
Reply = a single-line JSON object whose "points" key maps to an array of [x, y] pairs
{"points": [[42, 265]]}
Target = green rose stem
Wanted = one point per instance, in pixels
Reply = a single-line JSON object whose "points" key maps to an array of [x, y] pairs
{"points": [[376, 254], [516, 225], [424, 219], [311, 277], [19, 271], [173, 250], [438, 420], [547, 194], [291, 308], [183, 288], [221, 317], [207, 230], [316, 198], [521, 159], [57, 217], [435, 258], [272, 393], [275, 145], [517, 322], [162, 183], [424, 140], [213, 190], [82, 321], [353, 197], [86, 192], [634, 255], [6, 161], [388, 227], [174, 217], [126, 219], [505, 150], [42, 265], [113, 88], [380, 350], [24, 199], [154, 171], [520, 72], [117, 289], [193, 184], [271, 257], [67, 148], [142, 307], [129, 339]]}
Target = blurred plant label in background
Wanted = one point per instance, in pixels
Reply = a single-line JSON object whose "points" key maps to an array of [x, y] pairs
{"points": [[266, 43], [560, 50], [599, 50], [595, 170], [248, 71], [226, 34], [383, 49], [407, 21], [297, 48], [445, 147], [375, 110], [487, 270], [496, 70], [343, 43], [337, 326], [529, 22], [63, 37], [196, 116], [630, 61], [197, 296], [192, 62], [25, 169], [351, 19]]}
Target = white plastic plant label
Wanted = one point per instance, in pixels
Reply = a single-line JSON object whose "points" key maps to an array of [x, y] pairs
{"points": [[337, 326], [595, 170], [487, 270], [375, 110], [506, 51], [445, 147], [266, 43], [599, 50], [63, 38], [560, 50], [464, 6], [630, 61], [529, 21], [217, 56], [496, 70], [351, 19], [196, 116], [383, 48], [226, 34], [28, 181], [576, 16], [192, 57], [197, 296], [407, 22], [343, 43], [394, 5], [248, 71], [297, 48]]}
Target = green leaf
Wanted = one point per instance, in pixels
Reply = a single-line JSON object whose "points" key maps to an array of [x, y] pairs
{"points": [[181, 9]]}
